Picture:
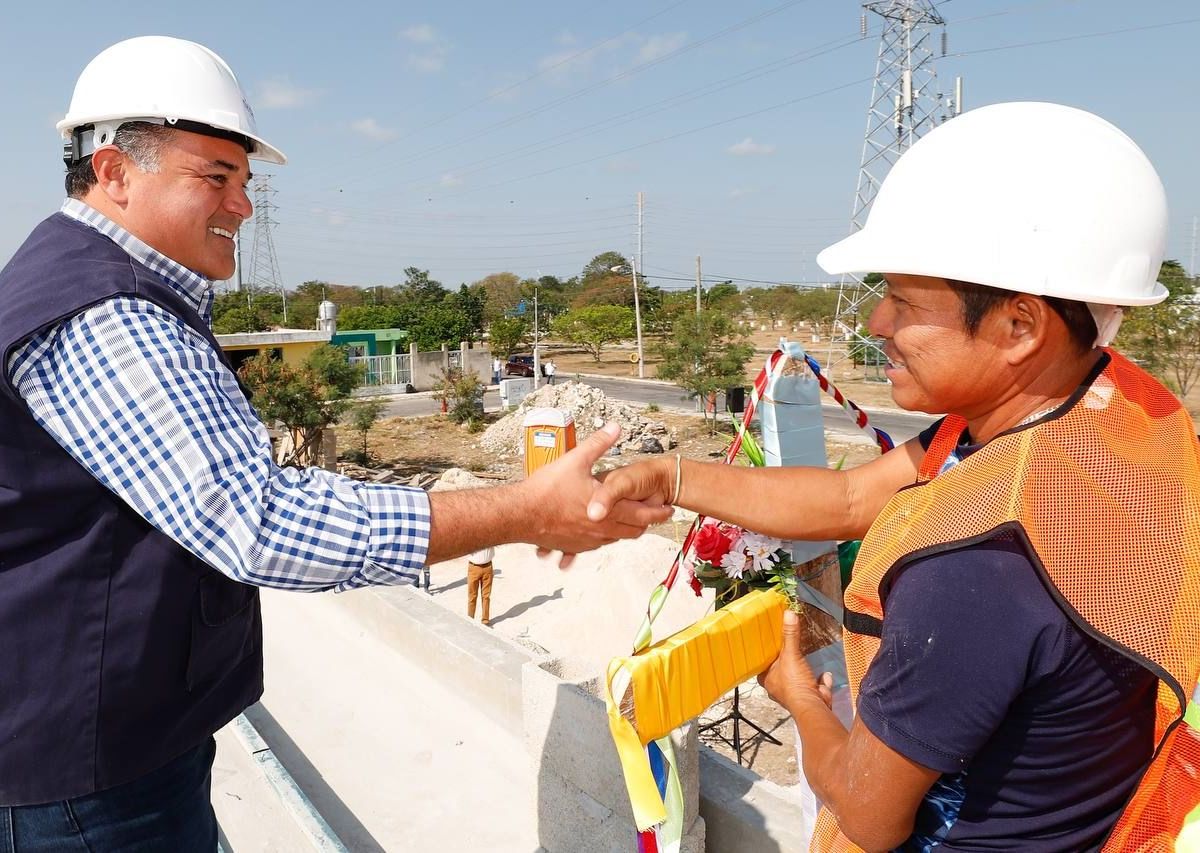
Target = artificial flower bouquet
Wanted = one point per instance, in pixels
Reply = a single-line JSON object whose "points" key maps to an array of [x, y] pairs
{"points": [[733, 561]]}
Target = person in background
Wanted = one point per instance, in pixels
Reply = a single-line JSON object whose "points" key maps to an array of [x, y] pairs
{"points": [[497, 367], [479, 583], [141, 505], [550, 368]]}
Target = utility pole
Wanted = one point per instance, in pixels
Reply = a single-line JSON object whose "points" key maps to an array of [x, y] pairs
{"points": [[1192, 267], [697, 285], [637, 308], [637, 316], [537, 356]]}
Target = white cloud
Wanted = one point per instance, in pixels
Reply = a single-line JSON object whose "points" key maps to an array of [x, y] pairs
{"points": [[565, 38], [279, 93], [419, 34], [371, 129], [749, 148], [430, 55], [656, 47], [742, 192], [451, 180]]}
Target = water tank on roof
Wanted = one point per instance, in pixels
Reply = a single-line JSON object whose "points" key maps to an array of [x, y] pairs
{"points": [[327, 317]]}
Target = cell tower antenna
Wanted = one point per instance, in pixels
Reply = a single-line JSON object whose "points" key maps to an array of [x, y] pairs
{"points": [[906, 102], [264, 266]]}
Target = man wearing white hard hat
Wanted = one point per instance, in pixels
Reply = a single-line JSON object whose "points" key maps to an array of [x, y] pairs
{"points": [[141, 505], [1022, 629]]}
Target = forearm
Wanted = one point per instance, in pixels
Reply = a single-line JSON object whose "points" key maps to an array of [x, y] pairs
{"points": [[788, 503], [467, 520]]}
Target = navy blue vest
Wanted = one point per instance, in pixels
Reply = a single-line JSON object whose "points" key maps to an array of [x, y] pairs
{"points": [[119, 649]]}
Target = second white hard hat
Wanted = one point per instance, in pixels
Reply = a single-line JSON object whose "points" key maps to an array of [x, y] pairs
{"points": [[164, 80], [1030, 197]]}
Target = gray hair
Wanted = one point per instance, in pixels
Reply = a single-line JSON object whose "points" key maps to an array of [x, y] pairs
{"points": [[140, 141]]}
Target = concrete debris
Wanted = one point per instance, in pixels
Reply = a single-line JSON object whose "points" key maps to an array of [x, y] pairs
{"points": [[460, 478], [591, 409]]}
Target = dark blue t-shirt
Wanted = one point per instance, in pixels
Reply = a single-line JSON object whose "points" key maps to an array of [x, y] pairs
{"points": [[1040, 731]]}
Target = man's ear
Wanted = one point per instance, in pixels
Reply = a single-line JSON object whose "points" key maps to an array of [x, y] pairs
{"points": [[1026, 324], [112, 168]]}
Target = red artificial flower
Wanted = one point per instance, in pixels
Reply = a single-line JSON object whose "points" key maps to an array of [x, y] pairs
{"points": [[713, 543]]}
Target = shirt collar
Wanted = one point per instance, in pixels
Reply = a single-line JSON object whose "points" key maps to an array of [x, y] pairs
{"points": [[193, 287]]}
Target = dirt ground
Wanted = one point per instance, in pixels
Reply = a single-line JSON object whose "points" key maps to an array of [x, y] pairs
{"points": [[428, 445]]}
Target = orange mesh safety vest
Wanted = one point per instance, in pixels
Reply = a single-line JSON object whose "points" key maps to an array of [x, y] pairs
{"points": [[1106, 492]]}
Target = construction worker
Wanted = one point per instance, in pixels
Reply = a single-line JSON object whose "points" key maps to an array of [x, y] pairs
{"points": [[141, 507], [1022, 629]]}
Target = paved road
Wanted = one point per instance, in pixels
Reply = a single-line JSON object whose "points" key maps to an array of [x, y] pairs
{"points": [[900, 426]]}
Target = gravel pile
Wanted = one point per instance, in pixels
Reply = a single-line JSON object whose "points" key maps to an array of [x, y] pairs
{"points": [[591, 409]]}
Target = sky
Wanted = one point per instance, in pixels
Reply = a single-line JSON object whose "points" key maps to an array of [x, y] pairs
{"points": [[469, 138]]}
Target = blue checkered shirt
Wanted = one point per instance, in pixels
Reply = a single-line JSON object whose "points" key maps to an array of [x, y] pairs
{"points": [[146, 405]]}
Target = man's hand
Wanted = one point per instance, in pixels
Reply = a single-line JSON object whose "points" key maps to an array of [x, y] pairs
{"points": [[789, 680], [651, 482], [560, 496]]}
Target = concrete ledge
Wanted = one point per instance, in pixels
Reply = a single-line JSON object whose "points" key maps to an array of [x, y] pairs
{"points": [[582, 803], [474, 661], [744, 812]]}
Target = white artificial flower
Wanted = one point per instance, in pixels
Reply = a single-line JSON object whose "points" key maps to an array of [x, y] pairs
{"points": [[762, 550], [734, 562]]}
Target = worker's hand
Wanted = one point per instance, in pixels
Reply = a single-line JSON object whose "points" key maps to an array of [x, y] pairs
{"points": [[789, 680], [651, 482], [560, 494]]}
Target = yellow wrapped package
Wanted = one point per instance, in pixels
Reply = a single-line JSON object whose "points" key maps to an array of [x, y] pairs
{"points": [[659, 689]]}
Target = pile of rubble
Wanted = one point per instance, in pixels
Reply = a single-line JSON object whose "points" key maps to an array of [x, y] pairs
{"points": [[591, 409]]}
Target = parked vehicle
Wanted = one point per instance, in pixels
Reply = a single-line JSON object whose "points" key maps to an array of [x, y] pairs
{"points": [[519, 365]]}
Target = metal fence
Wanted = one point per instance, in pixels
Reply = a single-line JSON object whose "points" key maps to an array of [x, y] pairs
{"points": [[386, 369]]}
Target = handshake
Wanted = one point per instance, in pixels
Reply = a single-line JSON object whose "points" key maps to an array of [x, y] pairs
{"points": [[563, 508]]}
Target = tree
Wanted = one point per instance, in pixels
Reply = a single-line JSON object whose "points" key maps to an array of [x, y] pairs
{"points": [[462, 395], [374, 317], [360, 418], [306, 400], [1166, 337], [706, 353], [594, 326], [774, 303], [473, 304], [420, 288], [440, 324], [602, 266], [237, 319], [507, 335], [504, 293]]}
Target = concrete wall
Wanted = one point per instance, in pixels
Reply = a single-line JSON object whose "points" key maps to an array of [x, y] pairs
{"points": [[582, 805]]}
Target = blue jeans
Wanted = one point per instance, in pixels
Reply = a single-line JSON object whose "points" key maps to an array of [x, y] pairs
{"points": [[167, 811]]}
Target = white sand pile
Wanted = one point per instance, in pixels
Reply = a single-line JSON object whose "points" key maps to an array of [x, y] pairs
{"points": [[586, 614], [459, 478], [591, 408]]}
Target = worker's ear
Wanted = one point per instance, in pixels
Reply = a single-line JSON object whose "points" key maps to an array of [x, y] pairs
{"points": [[1021, 326]]}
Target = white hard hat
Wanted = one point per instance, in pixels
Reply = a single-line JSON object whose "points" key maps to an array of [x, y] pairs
{"points": [[1029, 197], [162, 80]]}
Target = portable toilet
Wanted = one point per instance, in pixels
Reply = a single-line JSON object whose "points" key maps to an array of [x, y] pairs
{"points": [[549, 433]]}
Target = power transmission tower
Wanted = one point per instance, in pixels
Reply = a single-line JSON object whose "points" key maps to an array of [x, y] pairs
{"points": [[264, 266], [906, 102]]}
